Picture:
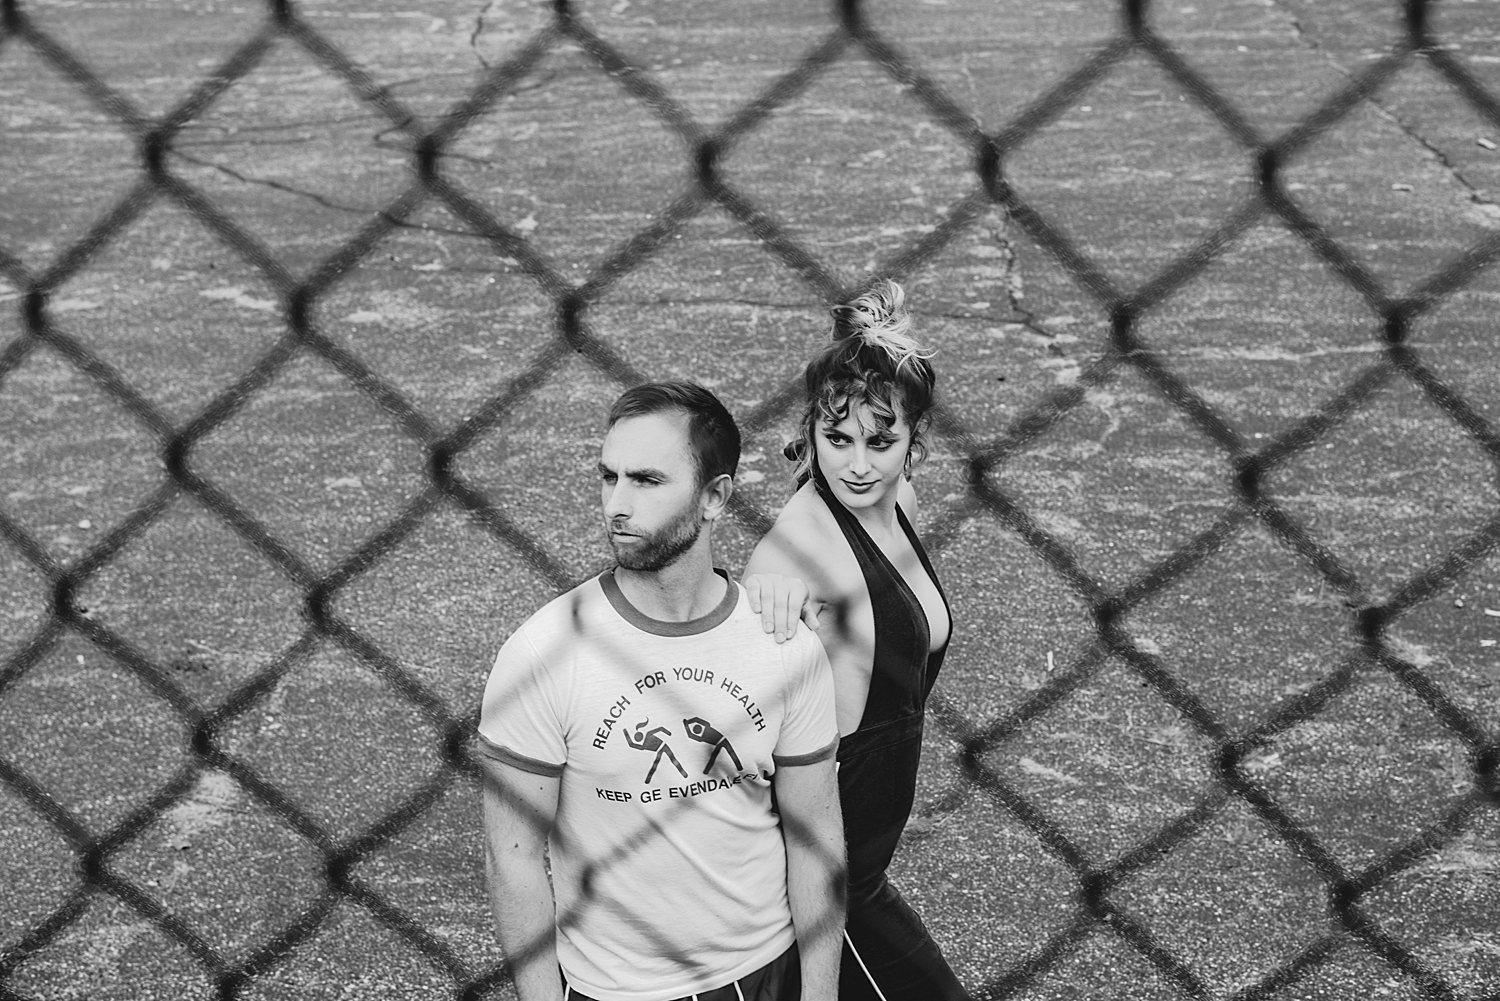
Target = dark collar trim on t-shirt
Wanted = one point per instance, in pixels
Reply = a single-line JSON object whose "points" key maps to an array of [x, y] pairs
{"points": [[657, 627]]}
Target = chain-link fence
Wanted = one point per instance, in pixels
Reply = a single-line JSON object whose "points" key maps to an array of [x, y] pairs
{"points": [[302, 387]]}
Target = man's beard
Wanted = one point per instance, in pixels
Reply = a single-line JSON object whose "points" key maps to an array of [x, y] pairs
{"points": [[661, 549]]}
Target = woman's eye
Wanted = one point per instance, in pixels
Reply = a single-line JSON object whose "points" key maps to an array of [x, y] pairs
{"points": [[881, 444]]}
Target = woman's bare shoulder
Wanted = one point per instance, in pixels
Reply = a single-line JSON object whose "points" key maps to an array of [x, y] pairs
{"points": [[805, 542], [906, 496], [805, 508], [804, 519]]}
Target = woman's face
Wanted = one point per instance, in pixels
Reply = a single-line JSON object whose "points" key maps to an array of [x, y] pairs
{"points": [[861, 458]]}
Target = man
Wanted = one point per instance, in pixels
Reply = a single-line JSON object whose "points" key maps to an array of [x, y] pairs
{"points": [[676, 761]]}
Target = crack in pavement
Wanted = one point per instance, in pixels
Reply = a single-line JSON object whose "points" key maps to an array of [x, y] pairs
{"points": [[276, 185], [1012, 281], [1384, 110], [479, 30], [313, 196]]}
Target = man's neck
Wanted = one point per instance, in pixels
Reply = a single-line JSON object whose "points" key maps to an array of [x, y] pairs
{"points": [[688, 589]]}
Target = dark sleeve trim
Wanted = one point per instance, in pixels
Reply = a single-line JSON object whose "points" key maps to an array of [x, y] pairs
{"points": [[822, 754], [505, 756]]}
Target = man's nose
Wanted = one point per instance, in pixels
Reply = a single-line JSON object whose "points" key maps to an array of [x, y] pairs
{"points": [[617, 500]]}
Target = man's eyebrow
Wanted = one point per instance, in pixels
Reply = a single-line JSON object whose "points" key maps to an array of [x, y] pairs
{"points": [[648, 471]]}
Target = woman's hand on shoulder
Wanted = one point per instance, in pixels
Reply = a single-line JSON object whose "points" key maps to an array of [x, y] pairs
{"points": [[781, 601]]}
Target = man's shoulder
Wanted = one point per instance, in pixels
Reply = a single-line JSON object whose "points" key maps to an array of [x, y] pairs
{"points": [[803, 643], [569, 610]]}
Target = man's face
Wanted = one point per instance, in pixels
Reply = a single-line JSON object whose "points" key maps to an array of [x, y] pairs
{"points": [[653, 511]]}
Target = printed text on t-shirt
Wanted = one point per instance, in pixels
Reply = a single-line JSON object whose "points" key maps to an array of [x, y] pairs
{"points": [[663, 738], [654, 678]]}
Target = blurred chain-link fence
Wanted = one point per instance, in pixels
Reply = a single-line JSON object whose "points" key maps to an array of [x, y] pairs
{"points": [[230, 768]]}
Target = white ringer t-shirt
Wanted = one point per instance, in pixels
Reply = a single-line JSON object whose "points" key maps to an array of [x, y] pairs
{"points": [[667, 856]]}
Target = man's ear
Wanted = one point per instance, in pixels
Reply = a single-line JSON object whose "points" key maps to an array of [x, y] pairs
{"points": [[715, 495]]}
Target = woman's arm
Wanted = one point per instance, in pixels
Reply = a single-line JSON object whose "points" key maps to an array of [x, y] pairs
{"points": [[808, 543]]}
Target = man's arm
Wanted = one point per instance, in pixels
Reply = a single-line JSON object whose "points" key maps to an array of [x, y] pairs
{"points": [[519, 808], [816, 875]]}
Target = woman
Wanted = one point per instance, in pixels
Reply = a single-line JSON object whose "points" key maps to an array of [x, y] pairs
{"points": [[847, 531]]}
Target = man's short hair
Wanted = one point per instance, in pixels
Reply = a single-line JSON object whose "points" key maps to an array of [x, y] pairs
{"points": [[713, 437]]}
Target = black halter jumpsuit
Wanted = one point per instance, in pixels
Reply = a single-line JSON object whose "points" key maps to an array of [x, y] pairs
{"points": [[888, 953]]}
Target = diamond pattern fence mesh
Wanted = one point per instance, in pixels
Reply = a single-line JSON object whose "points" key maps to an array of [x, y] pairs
{"points": [[302, 373]]}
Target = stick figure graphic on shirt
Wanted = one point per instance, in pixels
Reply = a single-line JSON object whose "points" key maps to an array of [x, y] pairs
{"points": [[702, 730], [650, 740]]}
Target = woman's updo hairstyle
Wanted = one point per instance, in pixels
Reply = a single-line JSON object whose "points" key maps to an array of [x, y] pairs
{"points": [[871, 360]]}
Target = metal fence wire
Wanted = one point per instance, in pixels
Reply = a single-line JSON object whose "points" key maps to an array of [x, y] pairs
{"points": [[1093, 892]]}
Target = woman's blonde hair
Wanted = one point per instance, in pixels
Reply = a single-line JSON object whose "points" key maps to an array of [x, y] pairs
{"points": [[873, 360]]}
